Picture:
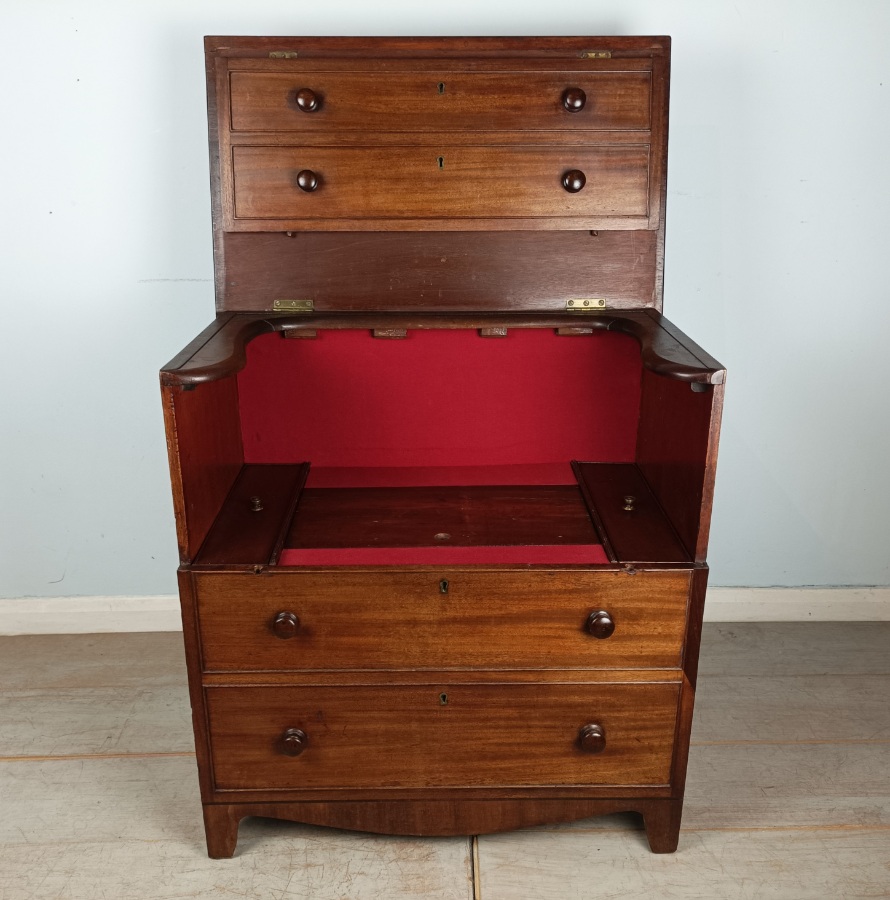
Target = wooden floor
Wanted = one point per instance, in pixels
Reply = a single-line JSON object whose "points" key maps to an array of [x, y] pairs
{"points": [[788, 793]]}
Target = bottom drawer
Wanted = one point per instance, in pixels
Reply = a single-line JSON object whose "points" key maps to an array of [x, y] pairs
{"points": [[463, 735]]}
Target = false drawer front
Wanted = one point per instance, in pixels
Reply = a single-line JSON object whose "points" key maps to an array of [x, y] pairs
{"points": [[317, 102], [448, 182], [441, 619], [418, 736]]}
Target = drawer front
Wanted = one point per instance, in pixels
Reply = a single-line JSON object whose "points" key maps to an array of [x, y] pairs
{"points": [[318, 102], [456, 182], [421, 736], [392, 620]]}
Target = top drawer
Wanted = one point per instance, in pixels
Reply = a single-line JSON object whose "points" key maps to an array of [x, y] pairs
{"points": [[314, 102], [441, 619]]}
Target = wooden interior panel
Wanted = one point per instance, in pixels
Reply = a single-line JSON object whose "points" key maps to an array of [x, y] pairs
{"points": [[251, 525], [673, 451], [438, 271], [465, 516], [440, 735], [206, 454], [451, 182], [435, 100], [634, 526], [506, 619]]}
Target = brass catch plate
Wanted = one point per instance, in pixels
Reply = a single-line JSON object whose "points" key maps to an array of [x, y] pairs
{"points": [[588, 305], [283, 54], [596, 54], [293, 306]]}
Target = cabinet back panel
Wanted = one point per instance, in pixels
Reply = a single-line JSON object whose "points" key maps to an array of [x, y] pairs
{"points": [[440, 398]]}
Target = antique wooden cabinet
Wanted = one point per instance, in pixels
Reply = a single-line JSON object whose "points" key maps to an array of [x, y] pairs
{"points": [[442, 471]]}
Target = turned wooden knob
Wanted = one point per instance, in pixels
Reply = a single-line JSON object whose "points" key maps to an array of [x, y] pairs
{"points": [[307, 100], [285, 625], [601, 624], [573, 99], [307, 180], [593, 739], [574, 180], [294, 741]]}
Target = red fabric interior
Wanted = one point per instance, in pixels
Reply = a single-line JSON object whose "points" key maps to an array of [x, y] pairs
{"points": [[441, 407], [564, 554], [440, 398], [440, 476]]}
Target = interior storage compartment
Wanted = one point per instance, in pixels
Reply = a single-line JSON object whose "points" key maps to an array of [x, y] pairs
{"points": [[452, 446]]}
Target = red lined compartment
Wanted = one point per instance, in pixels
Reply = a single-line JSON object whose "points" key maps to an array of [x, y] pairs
{"points": [[440, 476], [565, 554], [440, 398]]}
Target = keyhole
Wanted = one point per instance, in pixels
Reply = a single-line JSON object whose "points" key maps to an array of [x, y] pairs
{"points": [[441, 87], [443, 699], [441, 161], [443, 586]]}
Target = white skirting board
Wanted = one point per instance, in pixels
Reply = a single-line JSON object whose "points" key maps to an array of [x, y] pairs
{"points": [[89, 615]]}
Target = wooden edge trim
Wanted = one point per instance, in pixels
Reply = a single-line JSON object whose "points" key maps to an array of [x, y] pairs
{"points": [[223, 353], [690, 346], [598, 525], [195, 344], [643, 45]]}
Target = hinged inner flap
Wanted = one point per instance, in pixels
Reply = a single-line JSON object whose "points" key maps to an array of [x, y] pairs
{"points": [[441, 271]]}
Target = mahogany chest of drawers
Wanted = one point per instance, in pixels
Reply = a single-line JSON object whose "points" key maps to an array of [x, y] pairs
{"points": [[442, 471]]}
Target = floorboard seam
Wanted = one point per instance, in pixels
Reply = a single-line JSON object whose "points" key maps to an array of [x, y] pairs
{"points": [[474, 857], [692, 829], [802, 741], [159, 755]]}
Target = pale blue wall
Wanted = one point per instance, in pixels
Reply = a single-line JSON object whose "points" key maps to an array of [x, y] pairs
{"points": [[777, 227]]}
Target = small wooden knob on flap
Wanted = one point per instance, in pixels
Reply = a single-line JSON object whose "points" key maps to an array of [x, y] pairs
{"points": [[574, 180], [285, 625], [307, 180], [293, 742], [573, 99], [307, 100], [601, 624], [593, 739]]}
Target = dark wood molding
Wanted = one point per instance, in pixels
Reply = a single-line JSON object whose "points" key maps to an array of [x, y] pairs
{"points": [[663, 351]]}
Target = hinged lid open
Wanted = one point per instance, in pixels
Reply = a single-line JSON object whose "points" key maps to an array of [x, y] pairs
{"points": [[496, 175]]}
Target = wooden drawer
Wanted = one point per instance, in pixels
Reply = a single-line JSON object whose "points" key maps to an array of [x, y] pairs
{"points": [[391, 620], [440, 735], [317, 102], [448, 182]]}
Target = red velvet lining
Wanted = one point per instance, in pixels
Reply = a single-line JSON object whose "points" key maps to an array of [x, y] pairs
{"points": [[440, 398], [441, 476], [564, 554]]}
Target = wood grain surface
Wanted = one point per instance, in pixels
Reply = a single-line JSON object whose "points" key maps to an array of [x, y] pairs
{"points": [[448, 182], [438, 100], [251, 525], [484, 515], [641, 533], [438, 271], [440, 735], [402, 620], [205, 455]]}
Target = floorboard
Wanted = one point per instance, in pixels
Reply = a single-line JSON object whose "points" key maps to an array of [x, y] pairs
{"points": [[787, 794]]}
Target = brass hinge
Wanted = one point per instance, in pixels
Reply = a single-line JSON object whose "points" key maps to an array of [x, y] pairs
{"points": [[585, 305], [596, 54], [293, 306], [283, 54]]}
